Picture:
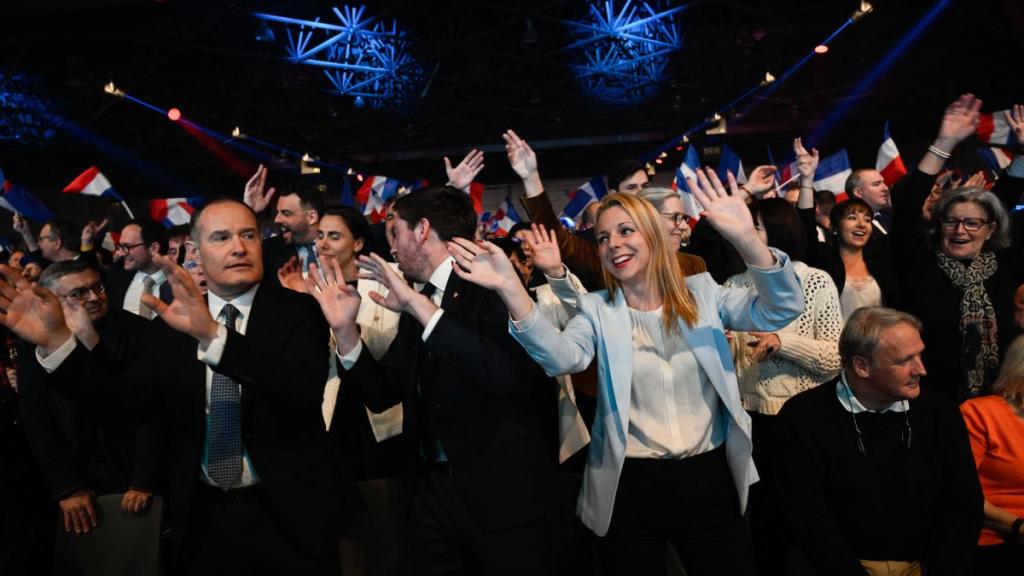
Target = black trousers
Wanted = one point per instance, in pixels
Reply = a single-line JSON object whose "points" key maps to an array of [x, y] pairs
{"points": [[447, 538], [690, 503], [236, 533]]}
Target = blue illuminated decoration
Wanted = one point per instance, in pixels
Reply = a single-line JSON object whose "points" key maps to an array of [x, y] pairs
{"points": [[623, 53], [362, 57], [21, 102]]}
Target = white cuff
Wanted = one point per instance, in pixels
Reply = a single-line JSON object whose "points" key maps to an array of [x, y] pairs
{"points": [[431, 323], [526, 323], [211, 354], [348, 359], [58, 356]]}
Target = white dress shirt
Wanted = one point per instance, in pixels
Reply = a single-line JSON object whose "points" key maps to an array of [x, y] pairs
{"points": [[133, 296], [211, 355]]}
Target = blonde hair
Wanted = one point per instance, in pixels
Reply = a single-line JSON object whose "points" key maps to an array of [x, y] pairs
{"points": [[663, 271], [1010, 382]]}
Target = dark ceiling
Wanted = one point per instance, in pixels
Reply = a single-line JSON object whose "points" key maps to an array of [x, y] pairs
{"points": [[203, 58]]}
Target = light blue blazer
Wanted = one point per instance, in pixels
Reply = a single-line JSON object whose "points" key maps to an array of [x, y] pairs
{"points": [[605, 328]]}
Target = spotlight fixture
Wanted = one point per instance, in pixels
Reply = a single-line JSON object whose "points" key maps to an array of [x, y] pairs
{"points": [[821, 49], [359, 177], [768, 79], [307, 158], [109, 88], [663, 155], [864, 9], [174, 114], [659, 161], [350, 172], [237, 133]]}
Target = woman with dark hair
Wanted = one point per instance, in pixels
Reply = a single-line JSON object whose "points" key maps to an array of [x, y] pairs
{"points": [[344, 235], [960, 267], [669, 459], [772, 367], [863, 273]]}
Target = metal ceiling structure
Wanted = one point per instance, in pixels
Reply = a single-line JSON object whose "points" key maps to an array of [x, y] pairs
{"points": [[480, 67]]}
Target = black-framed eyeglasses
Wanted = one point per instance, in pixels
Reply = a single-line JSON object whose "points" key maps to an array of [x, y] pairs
{"points": [[127, 247], [677, 218], [82, 294], [970, 224]]}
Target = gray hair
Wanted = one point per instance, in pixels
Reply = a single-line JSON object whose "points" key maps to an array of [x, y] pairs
{"points": [[990, 202], [864, 328], [54, 272], [855, 180], [657, 195]]}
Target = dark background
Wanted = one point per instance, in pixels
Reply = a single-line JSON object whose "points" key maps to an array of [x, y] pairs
{"points": [[203, 58]]}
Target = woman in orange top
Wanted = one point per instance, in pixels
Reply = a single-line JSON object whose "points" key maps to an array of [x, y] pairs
{"points": [[996, 427]]}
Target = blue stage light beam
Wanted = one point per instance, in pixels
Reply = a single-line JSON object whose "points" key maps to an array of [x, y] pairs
{"points": [[621, 54], [843, 108]]}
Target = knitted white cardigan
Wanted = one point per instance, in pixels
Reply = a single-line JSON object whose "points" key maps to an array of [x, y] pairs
{"points": [[810, 346]]}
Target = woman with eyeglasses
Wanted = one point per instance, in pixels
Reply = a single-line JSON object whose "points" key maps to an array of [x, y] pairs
{"points": [[958, 272]]}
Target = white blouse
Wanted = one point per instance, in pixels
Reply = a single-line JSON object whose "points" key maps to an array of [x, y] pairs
{"points": [[673, 409], [858, 293]]}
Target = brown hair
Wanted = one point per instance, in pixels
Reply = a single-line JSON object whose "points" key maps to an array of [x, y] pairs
{"points": [[663, 271]]}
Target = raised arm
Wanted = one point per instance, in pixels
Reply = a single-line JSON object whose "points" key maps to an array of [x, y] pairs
{"points": [[577, 253], [462, 175], [21, 227], [806, 164], [959, 121]]}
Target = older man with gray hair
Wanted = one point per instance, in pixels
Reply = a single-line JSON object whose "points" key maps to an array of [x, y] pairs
{"points": [[879, 477]]}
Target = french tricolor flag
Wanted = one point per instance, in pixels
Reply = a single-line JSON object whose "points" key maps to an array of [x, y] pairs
{"points": [[995, 131], [92, 182], [688, 169], [503, 219], [997, 158], [18, 200], [174, 211], [888, 162], [374, 192], [832, 173], [730, 162], [592, 191]]}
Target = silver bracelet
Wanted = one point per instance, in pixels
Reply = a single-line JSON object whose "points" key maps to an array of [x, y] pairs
{"points": [[939, 152]]}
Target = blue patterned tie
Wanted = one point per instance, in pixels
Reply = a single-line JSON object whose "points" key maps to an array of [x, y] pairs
{"points": [[224, 432]]}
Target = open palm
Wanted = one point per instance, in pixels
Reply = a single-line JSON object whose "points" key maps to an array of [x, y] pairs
{"points": [[485, 265]]}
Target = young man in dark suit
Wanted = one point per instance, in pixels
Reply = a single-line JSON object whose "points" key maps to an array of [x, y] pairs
{"points": [[251, 485], [478, 466]]}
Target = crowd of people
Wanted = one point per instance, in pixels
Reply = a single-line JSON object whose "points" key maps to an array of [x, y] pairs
{"points": [[786, 385]]}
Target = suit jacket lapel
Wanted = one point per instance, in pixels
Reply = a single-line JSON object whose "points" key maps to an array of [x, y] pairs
{"points": [[703, 342], [617, 339]]}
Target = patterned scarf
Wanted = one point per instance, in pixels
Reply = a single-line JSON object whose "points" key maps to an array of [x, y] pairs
{"points": [[977, 317]]}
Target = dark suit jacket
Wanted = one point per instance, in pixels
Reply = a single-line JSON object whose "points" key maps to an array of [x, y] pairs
{"points": [[275, 254], [480, 396], [74, 448], [281, 365]]}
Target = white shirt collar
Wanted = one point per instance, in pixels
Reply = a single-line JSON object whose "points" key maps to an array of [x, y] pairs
{"points": [[439, 278], [158, 277], [242, 302], [851, 404]]}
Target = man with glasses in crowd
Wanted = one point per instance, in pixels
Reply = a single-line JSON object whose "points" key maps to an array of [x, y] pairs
{"points": [[80, 458], [141, 240]]}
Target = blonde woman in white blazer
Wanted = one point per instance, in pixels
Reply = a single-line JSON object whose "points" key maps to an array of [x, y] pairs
{"points": [[670, 457]]}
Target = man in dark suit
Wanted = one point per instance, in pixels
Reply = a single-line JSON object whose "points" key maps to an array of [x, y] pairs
{"points": [[480, 471], [299, 208], [141, 240], [78, 455], [251, 485]]}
